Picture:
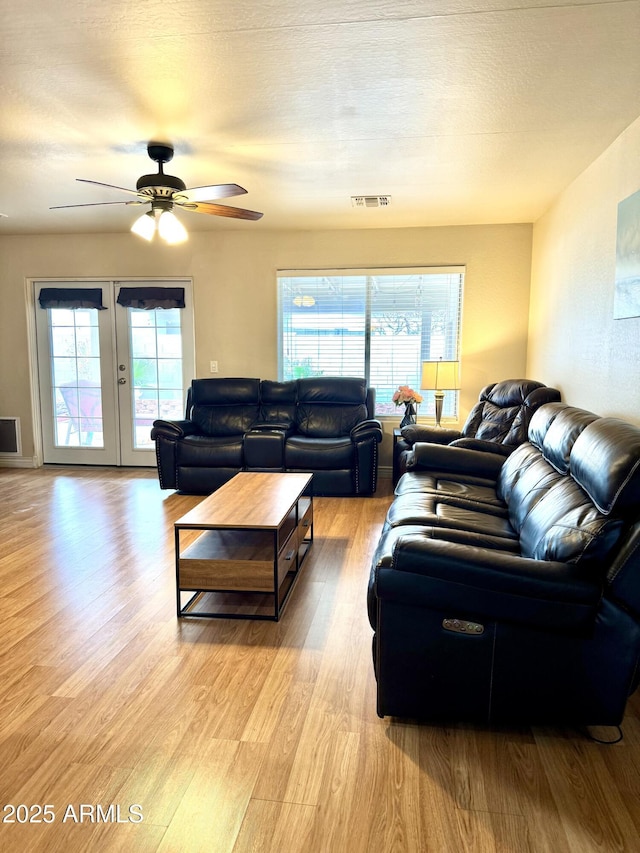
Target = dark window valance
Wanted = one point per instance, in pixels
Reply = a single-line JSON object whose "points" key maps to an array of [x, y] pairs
{"points": [[71, 297], [151, 297]]}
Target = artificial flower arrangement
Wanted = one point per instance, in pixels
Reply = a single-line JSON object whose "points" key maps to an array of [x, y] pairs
{"points": [[405, 395]]}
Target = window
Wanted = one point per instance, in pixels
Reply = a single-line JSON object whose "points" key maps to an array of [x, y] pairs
{"points": [[379, 324]]}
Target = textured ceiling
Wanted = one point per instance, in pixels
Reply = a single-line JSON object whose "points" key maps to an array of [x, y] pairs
{"points": [[463, 111]]}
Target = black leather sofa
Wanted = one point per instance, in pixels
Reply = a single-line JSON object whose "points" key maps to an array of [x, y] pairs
{"points": [[497, 423], [324, 425], [507, 590]]}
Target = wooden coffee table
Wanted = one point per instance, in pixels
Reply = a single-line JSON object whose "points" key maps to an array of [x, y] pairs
{"points": [[249, 538]]}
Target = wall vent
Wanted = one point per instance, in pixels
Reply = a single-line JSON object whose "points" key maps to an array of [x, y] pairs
{"points": [[10, 444], [370, 200]]}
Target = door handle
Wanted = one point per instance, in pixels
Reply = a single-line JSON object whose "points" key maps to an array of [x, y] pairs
{"points": [[122, 381]]}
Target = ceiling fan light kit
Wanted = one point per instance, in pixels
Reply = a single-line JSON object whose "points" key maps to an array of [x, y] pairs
{"points": [[162, 220], [164, 192]]}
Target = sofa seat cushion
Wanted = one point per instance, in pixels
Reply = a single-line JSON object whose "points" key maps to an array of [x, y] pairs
{"points": [[431, 511], [384, 550], [467, 491], [302, 452], [210, 452]]}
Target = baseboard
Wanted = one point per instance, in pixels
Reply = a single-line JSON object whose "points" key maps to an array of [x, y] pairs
{"points": [[18, 462]]}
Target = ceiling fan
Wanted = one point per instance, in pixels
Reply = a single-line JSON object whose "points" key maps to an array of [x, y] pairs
{"points": [[164, 192]]}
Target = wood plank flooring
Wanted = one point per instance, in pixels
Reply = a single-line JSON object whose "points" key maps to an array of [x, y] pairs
{"points": [[246, 736]]}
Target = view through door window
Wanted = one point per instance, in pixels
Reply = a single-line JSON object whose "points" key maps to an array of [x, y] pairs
{"points": [[75, 371], [156, 358]]}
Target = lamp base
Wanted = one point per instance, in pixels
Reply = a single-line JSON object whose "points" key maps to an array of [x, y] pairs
{"points": [[439, 398]]}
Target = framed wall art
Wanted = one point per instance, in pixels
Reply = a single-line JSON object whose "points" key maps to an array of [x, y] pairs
{"points": [[626, 301]]}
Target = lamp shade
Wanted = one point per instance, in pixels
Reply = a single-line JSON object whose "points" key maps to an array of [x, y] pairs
{"points": [[440, 375]]}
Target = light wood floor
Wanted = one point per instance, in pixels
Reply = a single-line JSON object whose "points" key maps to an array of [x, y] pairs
{"points": [[247, 736]]}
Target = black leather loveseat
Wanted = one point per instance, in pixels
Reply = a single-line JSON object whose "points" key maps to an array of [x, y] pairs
{"points": [[508, 589], [323, 425]]}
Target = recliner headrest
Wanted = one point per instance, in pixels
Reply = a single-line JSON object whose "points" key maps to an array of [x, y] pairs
{"points": [[541, 420], [226, 391], [561, 436], [509, 392], [278, 392], [332, 389], [504, 409], [605, 461]]}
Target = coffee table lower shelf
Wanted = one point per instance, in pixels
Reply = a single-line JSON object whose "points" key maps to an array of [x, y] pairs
{"points": [[244, 573]]}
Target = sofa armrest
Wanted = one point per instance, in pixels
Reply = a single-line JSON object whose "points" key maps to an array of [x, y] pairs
{"points": [[273, 426], [485, 446], [432, 434], [173, 429], [166, 435], [481, 583], [370, 428], [264, 446], [454, 460]]}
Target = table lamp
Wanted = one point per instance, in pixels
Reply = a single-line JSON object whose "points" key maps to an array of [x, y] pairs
{"points": [[439, 376]]}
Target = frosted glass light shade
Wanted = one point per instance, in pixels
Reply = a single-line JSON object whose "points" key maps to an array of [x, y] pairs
{"points": [[171, 229], [145, 226]]}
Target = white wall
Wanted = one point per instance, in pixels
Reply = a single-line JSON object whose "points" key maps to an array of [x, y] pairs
{"points": [[234, 274], [573, 339]]}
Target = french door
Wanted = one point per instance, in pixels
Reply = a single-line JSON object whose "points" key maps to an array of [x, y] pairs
{"points": [[107, 368]]}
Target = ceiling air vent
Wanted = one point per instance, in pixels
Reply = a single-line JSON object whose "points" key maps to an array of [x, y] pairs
{"points": [[370, 200]]}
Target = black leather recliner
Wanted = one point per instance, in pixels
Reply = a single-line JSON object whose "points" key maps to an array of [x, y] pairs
{"points": [[323, 425], [498, 422]]}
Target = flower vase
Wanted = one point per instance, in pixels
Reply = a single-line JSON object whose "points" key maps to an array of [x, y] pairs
{"points": [[409, 415]]}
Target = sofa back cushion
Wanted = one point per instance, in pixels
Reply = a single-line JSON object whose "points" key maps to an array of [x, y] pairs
{"points": [[541, 420], [330, 406], [222, 407], [569, 488], [278, 401], [560, 437], [563, 524], [605, 461]]}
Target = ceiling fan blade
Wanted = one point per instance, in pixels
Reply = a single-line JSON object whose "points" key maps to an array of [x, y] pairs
{"points": [[94, 204], [109, 186], [223, 210], [209, 193]]}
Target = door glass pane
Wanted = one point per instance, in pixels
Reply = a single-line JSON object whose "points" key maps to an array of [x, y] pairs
{"points": [[170, 373], [75, 377], [172, 405], [156, 369]]}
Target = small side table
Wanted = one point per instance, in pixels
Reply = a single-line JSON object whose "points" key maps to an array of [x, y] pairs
{"points": [[397, 436]]}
